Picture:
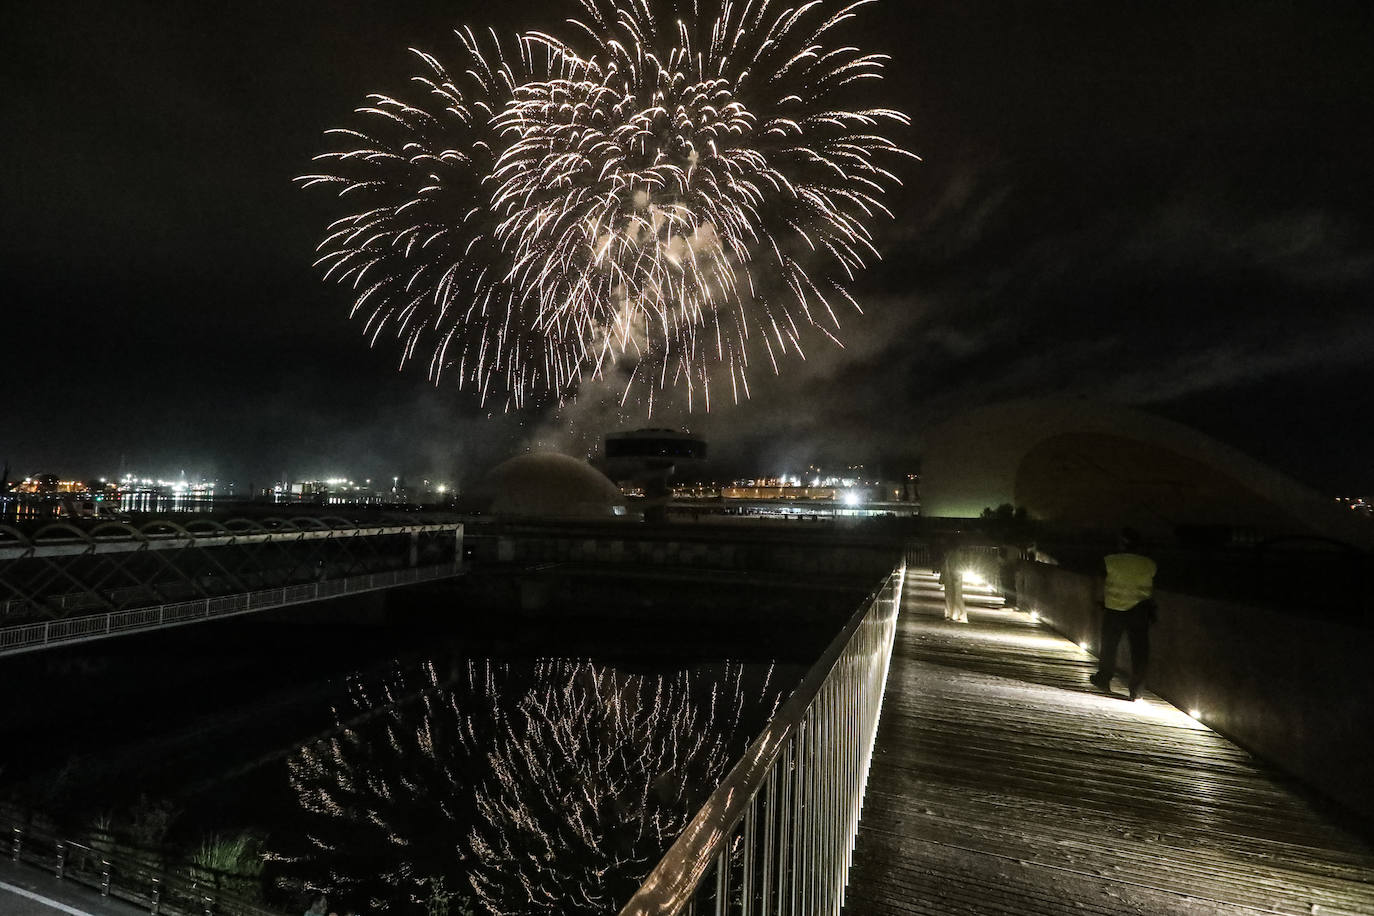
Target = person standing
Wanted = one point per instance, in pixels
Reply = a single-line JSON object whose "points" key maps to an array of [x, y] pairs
{"points": [[952, 578], [1128, 606], [1008, 558]]}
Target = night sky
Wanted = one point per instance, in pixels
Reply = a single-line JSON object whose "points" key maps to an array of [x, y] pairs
{"points": [[1167, 205]]}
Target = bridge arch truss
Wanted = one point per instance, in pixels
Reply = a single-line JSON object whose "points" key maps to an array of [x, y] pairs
{"points": [[67, 582]]}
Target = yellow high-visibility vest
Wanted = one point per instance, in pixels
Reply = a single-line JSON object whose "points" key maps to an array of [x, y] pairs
{"points": [[1130, 580]]}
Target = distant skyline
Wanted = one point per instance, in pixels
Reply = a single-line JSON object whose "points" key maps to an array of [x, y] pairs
{"points": [[1168, 206]]}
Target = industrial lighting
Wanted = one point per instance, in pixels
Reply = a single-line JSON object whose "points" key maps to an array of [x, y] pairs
{"points": [[1035, 616], [1196, 714], [973, 578], [1083, 646]]}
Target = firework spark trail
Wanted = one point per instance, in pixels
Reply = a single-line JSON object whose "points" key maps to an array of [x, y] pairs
{"points": [[651, 192], [552, 794]]}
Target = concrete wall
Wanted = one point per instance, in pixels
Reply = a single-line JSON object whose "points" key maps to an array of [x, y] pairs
{"points": [[1295, 692]]}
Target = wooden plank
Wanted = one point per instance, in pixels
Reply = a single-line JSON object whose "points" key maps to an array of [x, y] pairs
{"points": [[1003, 783]]}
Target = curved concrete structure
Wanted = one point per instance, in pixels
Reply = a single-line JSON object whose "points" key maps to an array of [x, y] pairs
{"points": [[1103, 466], [549, 485]]}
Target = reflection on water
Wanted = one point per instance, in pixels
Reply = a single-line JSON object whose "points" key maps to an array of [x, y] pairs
{"points": [[33, 507], [550, 787], [163, 502], [15, 509]]}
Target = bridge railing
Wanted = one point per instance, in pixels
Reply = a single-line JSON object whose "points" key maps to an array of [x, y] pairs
{"points": [[777, 835], [66, 570], [32, 636], [142, 879]]}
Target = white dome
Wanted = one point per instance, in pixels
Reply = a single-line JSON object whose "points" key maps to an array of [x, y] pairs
{"points": [[1105, 466], [550, 485]]}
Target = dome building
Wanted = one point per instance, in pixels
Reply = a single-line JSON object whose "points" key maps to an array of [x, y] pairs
{"points": [[547, 485], [1103, 466]]}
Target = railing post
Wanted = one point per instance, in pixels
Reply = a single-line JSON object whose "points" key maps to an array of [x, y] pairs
{"points": [[18, 843], [747, 885], [770, 827], [723, 879], [795, 815], [812, 808], [156, 897], [827, 811], [104, 878], [61, 859]]}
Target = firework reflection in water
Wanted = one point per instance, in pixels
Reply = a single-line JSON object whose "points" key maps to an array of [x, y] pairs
{"points": [[548, 791], [661, 189]]}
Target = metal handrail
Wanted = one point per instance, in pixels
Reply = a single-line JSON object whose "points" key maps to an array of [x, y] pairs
{"points": [[177, 889], [161, 534], [777, 835], [31, 636]]}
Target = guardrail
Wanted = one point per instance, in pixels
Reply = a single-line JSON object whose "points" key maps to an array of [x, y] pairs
{"points": [[777, 835], [180, 889], [65, 539], [33, 636]]}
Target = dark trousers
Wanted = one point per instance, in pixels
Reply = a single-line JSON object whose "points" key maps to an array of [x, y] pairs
{"points": [[1007, 575], [1135, 623]]}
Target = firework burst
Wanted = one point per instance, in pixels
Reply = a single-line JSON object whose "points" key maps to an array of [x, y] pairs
{"points": [[663, 191]]}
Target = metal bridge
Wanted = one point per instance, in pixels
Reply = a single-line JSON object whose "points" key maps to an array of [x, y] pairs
{"points": [[926, 766], [64, 583]]}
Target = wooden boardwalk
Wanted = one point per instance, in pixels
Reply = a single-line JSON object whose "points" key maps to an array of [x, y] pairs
{"points": [[1003, 783]]}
